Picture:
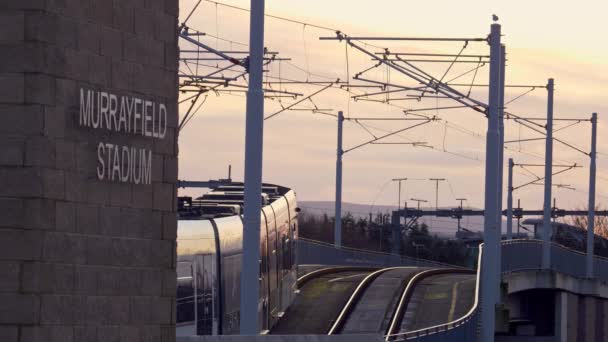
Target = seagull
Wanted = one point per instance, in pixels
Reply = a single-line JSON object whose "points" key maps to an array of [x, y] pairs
{"points": [[494, 17]]}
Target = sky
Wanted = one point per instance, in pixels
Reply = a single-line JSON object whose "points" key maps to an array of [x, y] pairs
{"points": [[544, 39]]}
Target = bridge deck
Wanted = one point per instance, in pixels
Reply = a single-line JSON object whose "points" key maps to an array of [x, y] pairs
{"points": [[374, 310], [439, 299], [318, 303]]}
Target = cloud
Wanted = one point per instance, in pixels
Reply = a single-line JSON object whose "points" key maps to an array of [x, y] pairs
{"points": [[300, 148]]}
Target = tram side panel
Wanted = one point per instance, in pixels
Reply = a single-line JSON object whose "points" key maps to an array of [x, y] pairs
{"points": [[281, 210], [290, 230], [264, 312], [197, 279], [209, 269], [230, 231], [273, 279]]}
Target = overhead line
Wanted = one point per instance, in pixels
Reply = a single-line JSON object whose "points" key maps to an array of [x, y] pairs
{"points": [[429, 39], [274, 16]]}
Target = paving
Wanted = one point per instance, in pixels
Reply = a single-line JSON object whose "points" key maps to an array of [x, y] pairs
{"points": [[283, 338]]}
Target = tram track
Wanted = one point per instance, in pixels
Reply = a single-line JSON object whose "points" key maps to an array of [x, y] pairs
{"points": [[370, 305], [322, 293], [451, 277]]}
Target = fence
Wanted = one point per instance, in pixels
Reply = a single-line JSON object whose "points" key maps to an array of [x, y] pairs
{"points": [[520, 255], [321, 253], [517, 255], [462, 329]]}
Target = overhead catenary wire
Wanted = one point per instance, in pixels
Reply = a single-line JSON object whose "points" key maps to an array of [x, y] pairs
{"points": [[447, 125], [274, 16]]}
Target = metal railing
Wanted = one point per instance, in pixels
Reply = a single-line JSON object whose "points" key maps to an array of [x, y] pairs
{"points": [[517, 255], [318, 252], [526, 254]]}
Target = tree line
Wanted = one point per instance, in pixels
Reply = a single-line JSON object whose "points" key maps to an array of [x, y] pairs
{"points": [[375, 233]]}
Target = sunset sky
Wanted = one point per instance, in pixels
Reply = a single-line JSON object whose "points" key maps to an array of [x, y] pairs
{"points": [[563, 40]]}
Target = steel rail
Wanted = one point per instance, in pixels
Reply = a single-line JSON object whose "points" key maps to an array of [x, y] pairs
{"points": [[354, 299], [456, 323], [403, 300], [328, 270]]}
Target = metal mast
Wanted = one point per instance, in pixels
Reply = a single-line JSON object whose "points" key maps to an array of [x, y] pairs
{"points": [[510, 201], [254, 138], [338, 204], [591, 206], [547, 228], [490, 287], [437, 180]]}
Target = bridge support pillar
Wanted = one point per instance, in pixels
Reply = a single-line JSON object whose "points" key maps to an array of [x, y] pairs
{"points": [[561, 316]]}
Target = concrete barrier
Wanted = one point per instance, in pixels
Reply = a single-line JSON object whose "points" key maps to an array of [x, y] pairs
{"points": [[284, 338], [320, 253]]}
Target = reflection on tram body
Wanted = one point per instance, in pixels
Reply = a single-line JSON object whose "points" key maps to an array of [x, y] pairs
{"points": [[209, 253]]}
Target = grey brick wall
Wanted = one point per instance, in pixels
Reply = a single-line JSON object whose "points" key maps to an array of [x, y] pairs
{"points": [[83, 259]]}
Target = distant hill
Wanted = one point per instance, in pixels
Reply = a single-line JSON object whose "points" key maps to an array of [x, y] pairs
{"points": [[437, 225]]}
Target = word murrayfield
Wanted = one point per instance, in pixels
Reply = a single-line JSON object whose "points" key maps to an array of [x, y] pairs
{"points": [[128, 115]]}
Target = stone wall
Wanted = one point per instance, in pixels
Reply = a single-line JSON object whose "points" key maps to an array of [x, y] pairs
{"points": [[85, 257]]}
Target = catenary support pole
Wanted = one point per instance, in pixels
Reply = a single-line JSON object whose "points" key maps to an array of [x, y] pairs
{"points": [[338, 204], [518, 217], [396, 232], [254, 138], [437, 180], [591, 206], [399, 195], [547, 228], [489, 287], [500, 152], [510, 201], [399, 199]]}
